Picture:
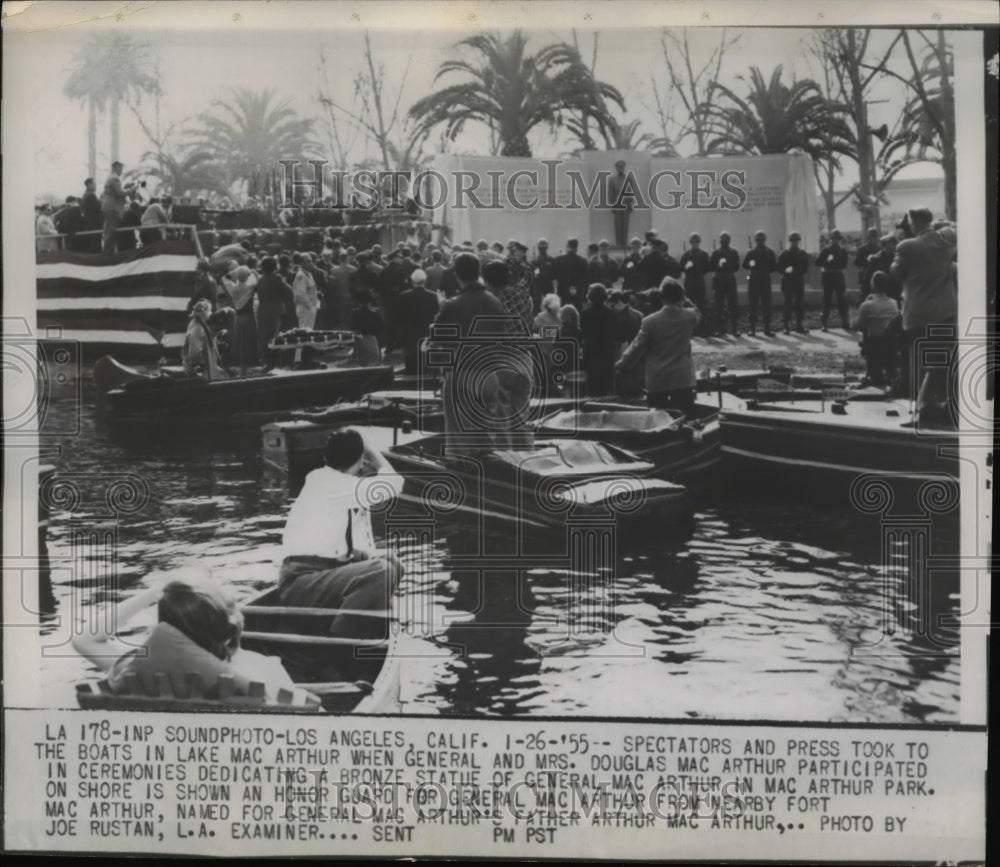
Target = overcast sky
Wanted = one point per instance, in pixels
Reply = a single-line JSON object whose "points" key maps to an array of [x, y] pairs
{"points": [[198, 66]]}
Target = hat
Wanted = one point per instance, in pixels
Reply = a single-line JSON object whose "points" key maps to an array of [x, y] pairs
{"points": [[619, 163], [603, 243], [794, 236], [517, 245], [873, 232], [760, 233], [542, 243], [635, 242], [887, 239], [694, 236], [920, 215], [836, 233], [419, 277], [572, 243]]}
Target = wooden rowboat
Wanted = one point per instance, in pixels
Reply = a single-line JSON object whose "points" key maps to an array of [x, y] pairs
{"points": [[367, 681]]}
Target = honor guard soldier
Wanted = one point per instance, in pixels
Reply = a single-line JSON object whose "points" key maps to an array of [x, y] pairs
{"points": [[724, 263], [760, 261], [694, 266], [793, 264], [864, 253], [832, 260]]}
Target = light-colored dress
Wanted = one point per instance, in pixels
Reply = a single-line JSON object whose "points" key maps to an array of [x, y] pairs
{"points": [[306, 298]]}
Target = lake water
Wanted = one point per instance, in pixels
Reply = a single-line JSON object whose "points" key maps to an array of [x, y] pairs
{"points": [[775, 608]]}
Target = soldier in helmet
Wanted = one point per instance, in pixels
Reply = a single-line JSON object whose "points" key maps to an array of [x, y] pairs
{"points": [[832, 259], [694, 266], [793, 264], [760, 261], [725, 262]]}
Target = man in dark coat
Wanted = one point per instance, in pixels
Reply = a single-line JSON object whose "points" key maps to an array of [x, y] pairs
{"points": [[604, 267], [92, 217], [484, 404], [631, 275], [793, 265], [694, 266], [418, 307], [657, 264], [543, 268], [571, 275], [724, 263]]}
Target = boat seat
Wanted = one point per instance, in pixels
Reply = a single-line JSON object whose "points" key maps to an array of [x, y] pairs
{"points": [[569, 458], [99, 696]]}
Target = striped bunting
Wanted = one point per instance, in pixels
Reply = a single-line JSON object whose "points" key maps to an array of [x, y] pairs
{"points": [[135, 299]]}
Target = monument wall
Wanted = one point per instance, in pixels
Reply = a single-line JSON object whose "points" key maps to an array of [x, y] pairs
{"points": [[530, 198]]}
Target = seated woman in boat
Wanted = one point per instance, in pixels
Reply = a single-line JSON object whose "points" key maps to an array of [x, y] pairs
{"points": [[200, 355], [329, 556], [198, 631]]}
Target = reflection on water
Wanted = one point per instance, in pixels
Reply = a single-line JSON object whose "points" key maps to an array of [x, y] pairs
{"points": [[771, 610]]}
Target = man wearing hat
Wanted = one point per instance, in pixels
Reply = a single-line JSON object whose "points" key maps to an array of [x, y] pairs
{"points": [[760, 261], [543, 273], [631, 276], [793, 264], [694, 267], [571, 275], [924, 266], [724, 263], [870, 248], [881, 260], [621, 207], [832, 259], [603, 266]]}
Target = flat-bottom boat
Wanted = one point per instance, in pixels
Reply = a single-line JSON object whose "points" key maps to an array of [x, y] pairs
{"points": [[135, 402], [856, 442], [546, 485]]}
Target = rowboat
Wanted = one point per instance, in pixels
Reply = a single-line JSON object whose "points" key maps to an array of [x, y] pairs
{"points": [[355, 675], [678, 444], [137, 402], [856, 442], [547, 485], [345, 675]]}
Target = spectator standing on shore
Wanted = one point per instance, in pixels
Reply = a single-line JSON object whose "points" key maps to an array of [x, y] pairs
{"points": [[631, 276], [418, 307], [598, 330], [274, 295], [571, 275], [543, 273], [664, 345], [45, 231], [882, 261], [154, 217], [92, 217]]}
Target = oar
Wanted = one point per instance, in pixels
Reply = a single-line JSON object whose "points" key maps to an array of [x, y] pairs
{"points": [[314, 612]]}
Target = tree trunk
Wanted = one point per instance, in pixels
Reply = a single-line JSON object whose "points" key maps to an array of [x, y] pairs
{"points": [[948, 119], [115, 106], [91, 138]]}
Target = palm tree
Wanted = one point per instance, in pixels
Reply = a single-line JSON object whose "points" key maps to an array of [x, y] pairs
{"points": [[776, 118], [86, 82], [250, 133], [194, 171], [512, 91], [109, 68]]}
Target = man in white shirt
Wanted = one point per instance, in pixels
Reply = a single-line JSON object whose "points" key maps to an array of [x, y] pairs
{"points": [[329, 558]]}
